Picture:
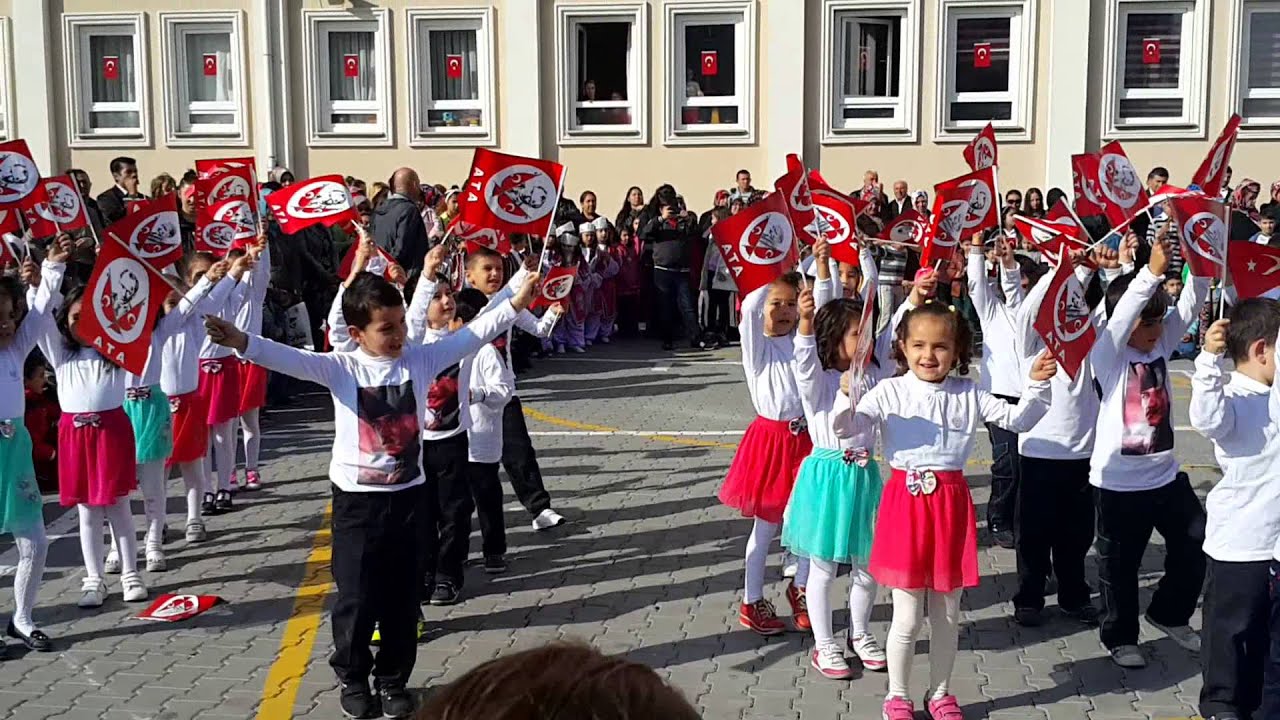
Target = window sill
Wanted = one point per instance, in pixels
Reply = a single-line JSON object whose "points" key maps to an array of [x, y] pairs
{"points": [[378, 139], [108, 141], [965, 135], [628, 136], [232, 139], [1173, 130], [1260, 130], [482, 137], [859, 136]]}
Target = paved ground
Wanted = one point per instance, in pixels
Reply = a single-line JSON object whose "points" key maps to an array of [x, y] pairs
{"points": [[650, 566]]}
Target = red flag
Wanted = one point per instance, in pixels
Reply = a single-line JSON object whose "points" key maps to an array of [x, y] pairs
{"points": [[1084, 183], [758, 244], [65, 208], [453, 67], [110, 67], [982, 55], [238, 215], [1202, 229], [1120, 190], [835, 217], [1064, 321], [172, 608], [794, 188], [512, 193], [323, 200], [10, 224], [1047, 238], [980, 153], [1064, 221], [555, 288], [121, 301], [909, 228], [1213, 170], [1151, 51], [478, 237], [710, 63], [225, 178], [984, 205], [35, 209], [946, 226], [1255, 269], [152, 232], [380, 264], [351, 65], [19, 175], [211, 64]]}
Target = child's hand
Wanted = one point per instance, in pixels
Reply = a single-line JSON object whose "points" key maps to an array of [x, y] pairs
{"points": [[60, 250], [524, 297], [1044, 367], [1106, 258], [217, 271], [30, 273], [1159, 262], [1078, 257], [924, 286], [556, 309], [225, 334], [1128, 248], [807, 305], [821, 252], [434, 260], [397, 275], [976, 241], [844, 382], [1215, 340]]}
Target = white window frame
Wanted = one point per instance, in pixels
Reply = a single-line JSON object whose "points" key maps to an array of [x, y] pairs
{"points": [[6, 78], [77, 28], [421, 22], [680, 15], [904, 125], [568, 16], [1238, 88], [1192, 71], [317, 24], [1022, 70], [175, 27]]}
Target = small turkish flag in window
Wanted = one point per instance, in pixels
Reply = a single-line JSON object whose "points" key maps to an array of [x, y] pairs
{"points": [[710, 62], [1151, 51], [351, 66], [110, 67], [210, 64], [982, 55], [453, 66], [864, 57]]}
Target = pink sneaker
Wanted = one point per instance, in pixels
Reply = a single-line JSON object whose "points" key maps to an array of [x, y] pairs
{"points": [[252, 481], [235, 481], [945, 708], [898, 708]]}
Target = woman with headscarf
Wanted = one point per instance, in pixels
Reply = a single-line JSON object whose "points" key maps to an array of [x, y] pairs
{"points": [[1272, 208], [282, 176], [1244, 197]]}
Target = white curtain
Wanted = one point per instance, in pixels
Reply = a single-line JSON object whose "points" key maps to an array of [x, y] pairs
{"points": [[209, 88], [363, 86], [121, 89], [442, 44]]}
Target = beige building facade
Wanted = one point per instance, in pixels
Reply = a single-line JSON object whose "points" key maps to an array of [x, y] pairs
{"points": [[640, 92]]}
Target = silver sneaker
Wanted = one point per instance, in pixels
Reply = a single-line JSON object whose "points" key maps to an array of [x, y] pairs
{"points": [[112, 564], [547, 519], [93, 592]]}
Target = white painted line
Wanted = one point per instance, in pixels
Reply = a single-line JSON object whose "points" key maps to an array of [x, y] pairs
{"points": [[662, 367]]}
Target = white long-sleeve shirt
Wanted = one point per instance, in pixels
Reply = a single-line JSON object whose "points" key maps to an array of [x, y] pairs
{"points": [[210, 350], [1242, 418], [180, 353], [13, 356], [771, 379], [192, 305], [379, 403], [1001, 367], [87, 381], [1133, 448], [249, 314], [490, 393]]}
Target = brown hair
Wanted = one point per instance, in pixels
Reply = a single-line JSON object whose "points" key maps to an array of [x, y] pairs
{"points": [[960, 332], [789, 279], [160, 183], [559, 681]]}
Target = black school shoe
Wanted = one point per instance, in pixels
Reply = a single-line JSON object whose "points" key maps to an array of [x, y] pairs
{"points": [[37, 640], [396, 702], [207, 507], [1028, 617], [495, 564], [445, 593], [357, 702], [222, 503]]}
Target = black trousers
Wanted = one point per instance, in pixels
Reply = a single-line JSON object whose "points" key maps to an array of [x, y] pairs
{"points": [[448, 509], [1237, 607], [719, 312], [1271, 672], [520, 460], [486, 490], [1053, 531], [376, 537], [1125, 522], [1002, 507]]}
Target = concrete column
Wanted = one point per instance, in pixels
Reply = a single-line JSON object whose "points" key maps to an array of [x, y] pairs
{"points": [[1064, 23], [520, 87], [35, 116], [782, 83]]}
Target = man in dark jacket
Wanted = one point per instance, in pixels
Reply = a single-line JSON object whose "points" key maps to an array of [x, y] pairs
{"points": [[113, 202], [397, 223], [670, 235]]}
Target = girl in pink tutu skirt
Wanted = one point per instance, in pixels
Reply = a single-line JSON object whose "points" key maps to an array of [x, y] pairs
{"points": [[925, 545], [764, 469]]}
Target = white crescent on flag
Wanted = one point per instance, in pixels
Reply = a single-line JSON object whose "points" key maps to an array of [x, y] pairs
{"points": [[455, 64]]}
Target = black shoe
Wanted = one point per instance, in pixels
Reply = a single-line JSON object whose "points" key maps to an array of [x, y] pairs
{"points": [[207, 507], [1051, 585], [1028, 617], [396, 702], [445, 593], [357, 702], [37, 640], [495, 564], [1004, 538], [1087, 613], [222, 503]]}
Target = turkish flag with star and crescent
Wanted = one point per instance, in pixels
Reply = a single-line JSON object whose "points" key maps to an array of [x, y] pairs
{"points": [[794, 188], [110, 67], [555, 287], [758, 244], [210, 64], [1213, 169], [835, 218], [152, 233], [1046, 238], [121, 300], [453, 67], [982, 55], [512, 193], [351, 65], [1255, 269], [980, 153], [1064, 321], [323, 200], [1151, 51], [1203, 225], [1121, 193], [710, 63]]}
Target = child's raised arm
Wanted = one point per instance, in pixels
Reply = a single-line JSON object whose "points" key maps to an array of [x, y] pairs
{"points": [[321, 368], [1210, 413]]}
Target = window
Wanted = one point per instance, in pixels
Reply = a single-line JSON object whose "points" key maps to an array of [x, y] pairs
{"points": [[987, 64], [870, 50], [711, 71], [204, 77], [106, 79], [601, 61], [1259, 87], [452, 77], [348, 84], [6, 79], [1156, 67]]}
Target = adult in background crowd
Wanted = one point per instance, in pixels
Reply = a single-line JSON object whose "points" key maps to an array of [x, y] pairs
{"points": [[920, 203], [1271, 208], [113, 202], [281, 176], [899, 203], [632, 206], [670, 234], [397, 223], [743, 190], [162, 185], [1033, 204], [1013, 199], [85, 186]]}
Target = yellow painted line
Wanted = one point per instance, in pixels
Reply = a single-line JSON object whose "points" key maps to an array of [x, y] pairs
{"points": [[281, 688]]}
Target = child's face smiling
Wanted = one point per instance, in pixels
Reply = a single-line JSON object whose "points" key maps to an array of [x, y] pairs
{"points": [[850, 279], [385, 334], [440, 311], [781, 310], [486, 275], [930, 348]]}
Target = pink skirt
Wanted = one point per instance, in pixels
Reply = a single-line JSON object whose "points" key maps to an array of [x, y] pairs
{"points": [[927, 540], [764, 468], [190, 428], [96, 461], [220, 386], [253, 386]]}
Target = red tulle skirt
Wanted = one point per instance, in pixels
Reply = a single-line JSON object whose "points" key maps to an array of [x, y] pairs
{"points": [[190, 428], [764, 468], [926, 541], [253, 386], [220, 386], [97, 464]]}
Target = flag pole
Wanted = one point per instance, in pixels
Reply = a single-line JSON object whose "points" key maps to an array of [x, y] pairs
{"points": [[1222, 284]]}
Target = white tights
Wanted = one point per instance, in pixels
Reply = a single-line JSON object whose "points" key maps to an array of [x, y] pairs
{"points": [[862, 598], [151, 477], [92, 544], [194, 476], [33, 547], [252, 438], [944, 637], [762, 534], [224, 456]]}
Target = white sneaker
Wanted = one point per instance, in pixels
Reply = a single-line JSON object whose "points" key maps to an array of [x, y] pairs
{"points": [[790, 564], [576, 349], [547, 519], [93, 591], [134, 590], [1128, 656], [195, 531], [1183, 635], [868, 650], [156, 561], [828, 659], [112, 565]]}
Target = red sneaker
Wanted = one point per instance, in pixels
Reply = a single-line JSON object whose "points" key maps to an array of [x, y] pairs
{"points": [[760, 618], [799, 606], [945, 708]]}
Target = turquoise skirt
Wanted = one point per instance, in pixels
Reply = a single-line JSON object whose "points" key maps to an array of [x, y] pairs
{"points": [[152, 426], [832, 512], [20, 502]]}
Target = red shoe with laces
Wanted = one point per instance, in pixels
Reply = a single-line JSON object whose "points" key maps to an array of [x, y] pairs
{"points": [[760, 618], [799, 606]]}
